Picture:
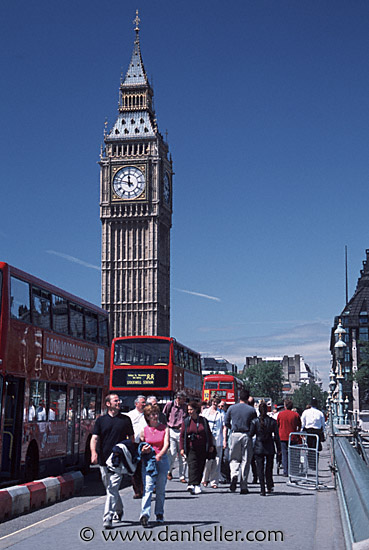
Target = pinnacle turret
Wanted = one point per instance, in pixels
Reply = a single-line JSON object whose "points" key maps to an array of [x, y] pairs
{"points": [[136, 118], [136, 74]]}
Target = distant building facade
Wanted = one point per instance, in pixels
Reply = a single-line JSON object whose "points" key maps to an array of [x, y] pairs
{"points": [[295, 370], [355, 320], [217, 364]]}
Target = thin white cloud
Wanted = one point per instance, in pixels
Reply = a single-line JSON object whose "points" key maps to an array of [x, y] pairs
{"points": [[199, 294], [274, 323], [73, 259], [310, 340]]}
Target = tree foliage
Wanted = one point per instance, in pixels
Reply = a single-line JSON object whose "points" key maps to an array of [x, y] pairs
{"points": [[265, 379], [305, 393]]}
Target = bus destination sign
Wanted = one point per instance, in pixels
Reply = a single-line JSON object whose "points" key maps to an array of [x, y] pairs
{"points": [[140, 378]]}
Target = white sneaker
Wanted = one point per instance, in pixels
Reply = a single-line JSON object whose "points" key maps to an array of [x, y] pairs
{"points": [[197, 490], [108, 522], [190, 488]]}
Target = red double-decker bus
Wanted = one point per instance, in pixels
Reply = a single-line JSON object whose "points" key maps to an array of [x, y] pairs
{"points": [[54, 367], [153, 365], [225, 386]]}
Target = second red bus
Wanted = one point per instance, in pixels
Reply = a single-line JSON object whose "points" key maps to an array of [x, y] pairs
{"points": [[225, 386]]}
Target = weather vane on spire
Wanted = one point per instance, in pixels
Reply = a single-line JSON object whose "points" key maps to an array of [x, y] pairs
{"points": [[137, 22]]}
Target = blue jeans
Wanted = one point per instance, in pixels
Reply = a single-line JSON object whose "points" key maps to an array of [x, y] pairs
{"points": [[157, 482], [284, 447]]}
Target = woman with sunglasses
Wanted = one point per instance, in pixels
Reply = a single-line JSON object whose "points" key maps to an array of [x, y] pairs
{"points": [[156, 443]]}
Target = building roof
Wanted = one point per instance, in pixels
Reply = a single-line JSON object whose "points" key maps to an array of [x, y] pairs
{"points": [[360, 300], [133, 124], [136, 74]]}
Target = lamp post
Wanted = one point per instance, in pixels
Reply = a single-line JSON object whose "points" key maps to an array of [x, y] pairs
{"points": [[339, 349], [332, 385], [346, 409]]}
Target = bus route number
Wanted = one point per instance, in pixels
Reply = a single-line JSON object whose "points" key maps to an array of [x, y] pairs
{"points": [[140, 379]]}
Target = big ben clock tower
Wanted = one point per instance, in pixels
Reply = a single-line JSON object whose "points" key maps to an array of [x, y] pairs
{"points": [[136, 211]]}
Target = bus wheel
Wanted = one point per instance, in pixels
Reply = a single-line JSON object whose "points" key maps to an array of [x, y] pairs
{"points": [[32, 462], [87, 459]]}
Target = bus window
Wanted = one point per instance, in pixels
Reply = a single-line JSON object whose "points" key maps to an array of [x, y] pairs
{"points": [[98, 401], [41, 308], [103, 331], [225, 385], [1, 395], [211, 385], [190, 361], [37, 401], [91, 326], [178, 356], [60, 314], [58, 402], [89, 403], [76, 321], [20, 301], [197, 365]]}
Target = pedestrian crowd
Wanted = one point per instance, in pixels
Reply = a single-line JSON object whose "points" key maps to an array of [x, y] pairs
{"points": [[213, 444]]}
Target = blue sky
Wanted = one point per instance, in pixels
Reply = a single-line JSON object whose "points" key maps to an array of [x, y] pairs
{"points": [[266, 107]]}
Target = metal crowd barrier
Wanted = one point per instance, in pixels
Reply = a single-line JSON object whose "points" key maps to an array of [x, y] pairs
{"points": [[303, 460]]}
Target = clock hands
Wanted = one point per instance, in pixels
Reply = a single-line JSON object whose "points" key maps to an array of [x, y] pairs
{"points": [[129, 182]]}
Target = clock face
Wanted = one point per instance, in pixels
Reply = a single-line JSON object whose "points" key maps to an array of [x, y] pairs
{"points": [[166, 189], [129, 182]]}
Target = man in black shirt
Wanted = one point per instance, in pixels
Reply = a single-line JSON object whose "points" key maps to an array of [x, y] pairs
{"points": [[110, 429]]}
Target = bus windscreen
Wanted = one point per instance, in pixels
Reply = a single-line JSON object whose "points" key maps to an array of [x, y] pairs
{"points": [[141, 352]]}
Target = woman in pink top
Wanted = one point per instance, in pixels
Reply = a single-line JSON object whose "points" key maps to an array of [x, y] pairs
{"points": [[156, 436]]}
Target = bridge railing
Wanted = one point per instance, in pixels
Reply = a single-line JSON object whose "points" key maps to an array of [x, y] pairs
{"points": [[349, 462]]}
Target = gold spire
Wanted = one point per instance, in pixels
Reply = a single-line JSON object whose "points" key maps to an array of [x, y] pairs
{"points": [[137, 22]]}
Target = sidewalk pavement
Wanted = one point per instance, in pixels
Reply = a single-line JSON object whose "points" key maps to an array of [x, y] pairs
{"points": [[290, 518]]}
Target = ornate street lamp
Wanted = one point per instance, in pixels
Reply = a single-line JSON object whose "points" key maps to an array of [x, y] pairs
{"points": [[332, 386], [339, 349], [339, 330], [346, 409]]}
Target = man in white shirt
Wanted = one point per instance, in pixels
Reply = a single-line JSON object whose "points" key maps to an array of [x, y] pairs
{"points": [[176, 412], [137, 416], [312, 422], [41, 412], [138, 422]]}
